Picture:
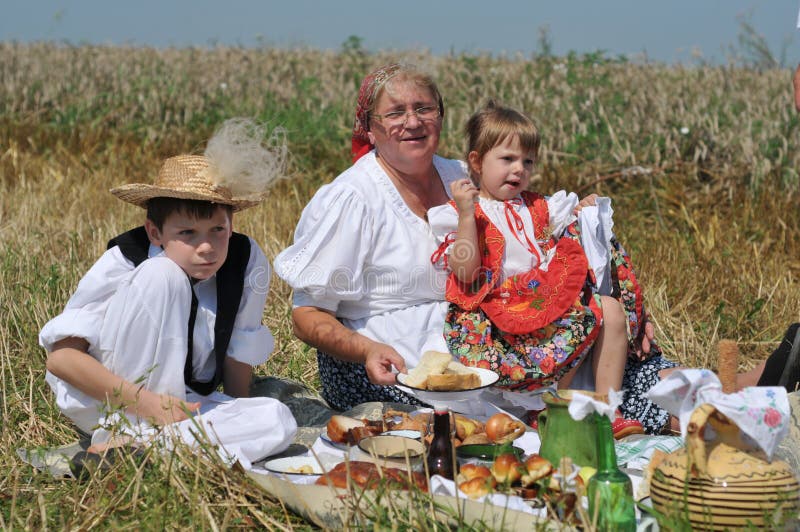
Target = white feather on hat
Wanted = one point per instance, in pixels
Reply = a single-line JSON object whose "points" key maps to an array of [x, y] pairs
{"points": [[236, 170]]}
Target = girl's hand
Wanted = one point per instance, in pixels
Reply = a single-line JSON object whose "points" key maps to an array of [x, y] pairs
{"points": [[162, 409], [588, 201], [380, 360], [465, 194]]}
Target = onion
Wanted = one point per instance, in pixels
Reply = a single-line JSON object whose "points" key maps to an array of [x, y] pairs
{"points": [[502, 428]]}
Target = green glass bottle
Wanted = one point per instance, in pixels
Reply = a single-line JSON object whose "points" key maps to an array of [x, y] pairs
{"points": [[610, 490]]}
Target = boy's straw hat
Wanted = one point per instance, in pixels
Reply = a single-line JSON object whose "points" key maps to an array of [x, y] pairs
{"points": [[237, 168], [189, 177]]}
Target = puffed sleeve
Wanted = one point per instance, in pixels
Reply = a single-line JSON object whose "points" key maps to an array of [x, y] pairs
{"points": [[560, 206], [83, 315], [332, 244], [443, 220], [251, 341]]}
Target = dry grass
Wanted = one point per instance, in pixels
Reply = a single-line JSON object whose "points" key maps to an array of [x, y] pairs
{"points": [[711, 221]]}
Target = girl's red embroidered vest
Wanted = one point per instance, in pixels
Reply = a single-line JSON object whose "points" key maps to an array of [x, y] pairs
{"points": [[524, 302]]}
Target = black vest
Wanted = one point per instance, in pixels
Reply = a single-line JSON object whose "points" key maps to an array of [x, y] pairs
{"points": [[230, 283]]}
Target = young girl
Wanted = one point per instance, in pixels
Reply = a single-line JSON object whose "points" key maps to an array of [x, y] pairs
{"points": [[526, 286]]}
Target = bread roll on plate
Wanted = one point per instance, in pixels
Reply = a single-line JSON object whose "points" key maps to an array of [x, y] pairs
{"points": [[448, 382], [440, 373], [431, 363], [478, 487], [339, 425]]}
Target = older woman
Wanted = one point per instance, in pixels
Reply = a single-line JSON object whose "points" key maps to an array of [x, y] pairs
{"points": [[365, 292]]}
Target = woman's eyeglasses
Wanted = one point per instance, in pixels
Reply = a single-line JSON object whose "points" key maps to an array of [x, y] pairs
{"points": [[399, 118]]}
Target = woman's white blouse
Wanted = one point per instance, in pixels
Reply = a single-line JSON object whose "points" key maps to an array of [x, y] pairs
{"points": [[361, 253], [251, 342]]}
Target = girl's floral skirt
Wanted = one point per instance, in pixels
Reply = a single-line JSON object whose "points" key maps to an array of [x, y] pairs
{"points": [[530, 361], [523, 361]]}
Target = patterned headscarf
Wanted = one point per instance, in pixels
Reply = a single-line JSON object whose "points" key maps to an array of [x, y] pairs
{"points": [[376, 79]]}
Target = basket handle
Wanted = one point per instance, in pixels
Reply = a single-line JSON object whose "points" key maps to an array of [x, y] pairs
{"points": [[695, 443]]}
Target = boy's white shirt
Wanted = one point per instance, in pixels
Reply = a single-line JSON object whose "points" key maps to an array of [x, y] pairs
{"points": [[251, 342], [140, 335]]}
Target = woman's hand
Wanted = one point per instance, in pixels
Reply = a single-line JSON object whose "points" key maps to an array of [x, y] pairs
{"points": [[588, 201], [465, 194], [379, 363], [646, 340], [321, 329]]}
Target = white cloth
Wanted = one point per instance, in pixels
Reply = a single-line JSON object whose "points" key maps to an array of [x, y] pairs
{"points": [[597, 225], [361, 253], [442, 486], [760, 412], [582, 405], [596, 233], [243, 430], [135, 321]]}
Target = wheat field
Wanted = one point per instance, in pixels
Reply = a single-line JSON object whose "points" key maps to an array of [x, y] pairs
{"points": [[701, 163]]}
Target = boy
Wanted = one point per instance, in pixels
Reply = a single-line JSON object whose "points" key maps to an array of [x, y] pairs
{"points": [[173, 309]]}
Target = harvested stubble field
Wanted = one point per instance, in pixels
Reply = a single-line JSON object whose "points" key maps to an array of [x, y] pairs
{"points": [[701, 163]]}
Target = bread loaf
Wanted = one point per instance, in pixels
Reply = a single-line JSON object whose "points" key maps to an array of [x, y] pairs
{"points": [[453, 381], [338, 427], [432, 362], [439, 372]]}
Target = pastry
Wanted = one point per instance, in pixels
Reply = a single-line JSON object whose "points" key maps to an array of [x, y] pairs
{"points": [[338, 427]]}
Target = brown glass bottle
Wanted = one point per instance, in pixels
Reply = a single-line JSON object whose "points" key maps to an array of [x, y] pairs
{"points": [[440, 452]]}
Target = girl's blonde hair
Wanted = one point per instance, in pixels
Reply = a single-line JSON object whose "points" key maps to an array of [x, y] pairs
{"points": [[493, 124]]}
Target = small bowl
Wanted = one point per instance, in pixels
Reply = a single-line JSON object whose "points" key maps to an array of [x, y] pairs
{"points": [[404, 433], [484, 453], [392, 447]]}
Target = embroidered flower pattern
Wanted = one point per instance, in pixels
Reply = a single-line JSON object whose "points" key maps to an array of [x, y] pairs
{"points": [[629, 291], [772, 418], [523, 360]]}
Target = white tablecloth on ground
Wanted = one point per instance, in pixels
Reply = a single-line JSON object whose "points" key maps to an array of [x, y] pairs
{"points": [[633, 453]]}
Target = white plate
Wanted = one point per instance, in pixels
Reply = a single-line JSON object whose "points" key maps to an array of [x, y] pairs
{"points": [[487, 377], [294, 465], [404, 433]]}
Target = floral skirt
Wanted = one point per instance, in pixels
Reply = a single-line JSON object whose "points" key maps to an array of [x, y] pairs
{"points": [[345, 385], [523, 361], [639, 377]]}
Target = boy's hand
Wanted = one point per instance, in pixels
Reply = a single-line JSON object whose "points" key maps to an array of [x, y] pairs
{"points": [[163, 409], [379, 363], [465, 194]]}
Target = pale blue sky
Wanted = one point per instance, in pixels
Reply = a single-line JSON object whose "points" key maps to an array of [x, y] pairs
{"points": [[666, 30]]}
